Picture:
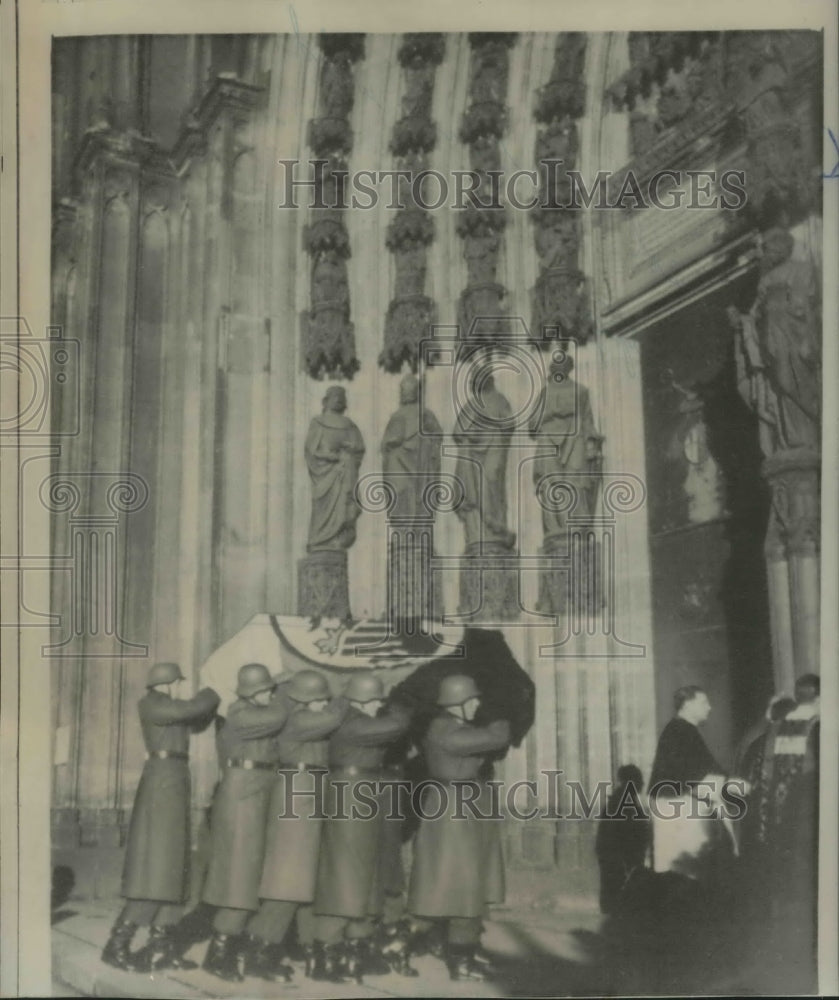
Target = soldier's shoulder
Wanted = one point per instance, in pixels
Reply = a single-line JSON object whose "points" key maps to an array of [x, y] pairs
{"points": [[442, 723], [236, 708]]}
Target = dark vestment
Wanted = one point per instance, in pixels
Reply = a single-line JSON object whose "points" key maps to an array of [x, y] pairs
{"points": [[682, 757]]}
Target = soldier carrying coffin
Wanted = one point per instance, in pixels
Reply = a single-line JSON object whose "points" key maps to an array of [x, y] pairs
{"points": [[155, 879], [239, 819], [350, 885], [458, 865]]}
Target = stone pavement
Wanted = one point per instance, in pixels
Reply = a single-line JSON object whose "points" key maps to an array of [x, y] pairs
{"points": [[539, 952]]}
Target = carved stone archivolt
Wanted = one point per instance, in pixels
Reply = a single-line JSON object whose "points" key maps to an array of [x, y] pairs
{"points": [[762, 81], [482, 127], [328, 335], [559, 299], [738, 87], [411, 312]]}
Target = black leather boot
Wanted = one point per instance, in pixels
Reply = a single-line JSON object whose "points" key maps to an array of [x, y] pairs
{"points": [[373, 962], [117, 950], [327, 963], [396, 948], [309, 958], [161, 951], [222, 958], [463, 966], [354, 961], [261, 960]]}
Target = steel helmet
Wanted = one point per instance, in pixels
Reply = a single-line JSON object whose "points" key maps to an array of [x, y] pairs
{"points": [[456, 689], [364, 687], [164, 673], [253, 678], [308, 685]]}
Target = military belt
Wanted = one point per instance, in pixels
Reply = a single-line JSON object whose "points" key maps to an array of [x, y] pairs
{"points": [[250, 765], [301, 766], [354, 771], [167, 755]]}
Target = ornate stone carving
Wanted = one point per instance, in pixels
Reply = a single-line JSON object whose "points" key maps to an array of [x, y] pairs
{"points": [[411, 451], [483, 124], [559, 299], [779, 349], [482, 434], [334, 449], [567, 477], [411, 313], [564, 94], [328, 335], [794, 521], [569, 449], [411, 447], [781, 181]]}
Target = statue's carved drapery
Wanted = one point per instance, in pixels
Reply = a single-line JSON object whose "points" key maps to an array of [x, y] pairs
{"points": [[333, 449], [566, 475], [779, 359], [411, 462]]}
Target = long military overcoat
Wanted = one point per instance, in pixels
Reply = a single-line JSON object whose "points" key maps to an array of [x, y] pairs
{"points": [[292, 843], [239, 816], [458, 865], [350, 879], [157, 852]]}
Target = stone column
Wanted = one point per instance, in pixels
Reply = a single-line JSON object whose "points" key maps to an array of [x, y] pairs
{"points": [[792, 555]]}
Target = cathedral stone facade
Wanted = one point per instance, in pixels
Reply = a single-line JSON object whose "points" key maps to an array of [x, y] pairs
{"points": [[212, 314]]}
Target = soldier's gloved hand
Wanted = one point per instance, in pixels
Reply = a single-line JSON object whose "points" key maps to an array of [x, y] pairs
{"points": [[501, 727], [339, 706]]}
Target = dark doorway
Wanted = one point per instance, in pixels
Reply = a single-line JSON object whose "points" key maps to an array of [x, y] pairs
{"points": [[708, 508]]}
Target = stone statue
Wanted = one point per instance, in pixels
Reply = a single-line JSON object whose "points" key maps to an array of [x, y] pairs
{"points": [[564, 422], [334, 449], [779, 349], [482, 433], [411, 451]]}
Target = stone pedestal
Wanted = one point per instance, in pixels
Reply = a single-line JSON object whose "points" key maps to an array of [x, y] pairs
{"points": [[792, 555], [323, 585], [489, 586], [572, 583], [409, 577]]}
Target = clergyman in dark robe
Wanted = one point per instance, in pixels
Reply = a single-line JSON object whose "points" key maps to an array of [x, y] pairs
{"points": [[482, 432], [682, 758], [411, 448], [691, 836], [334, 449]]}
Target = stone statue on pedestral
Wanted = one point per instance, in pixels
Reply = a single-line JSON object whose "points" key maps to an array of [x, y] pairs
{"points": [[778, 349], [411, 448], [334, 449], [482, 432], [566, 470]]}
